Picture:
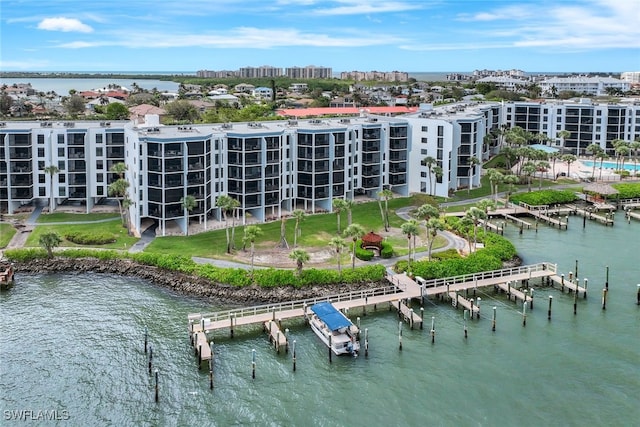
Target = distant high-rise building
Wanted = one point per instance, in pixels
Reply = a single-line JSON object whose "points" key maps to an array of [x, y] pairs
{"points": [[308, 72]]}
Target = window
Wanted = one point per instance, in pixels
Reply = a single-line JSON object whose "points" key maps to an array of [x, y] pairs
{"points": [[42, 179], [60, 152], [99, 177], [424, 151], [60, 139], [425, 129], [424, 140], [40, 151], [99, 164], [100, 191], [99, 138], [99, 152], [62, 178], [40, 139], [42, 192], [61, 165]]}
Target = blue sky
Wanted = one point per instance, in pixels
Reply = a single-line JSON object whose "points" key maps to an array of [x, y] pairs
{"points": [[383, 35]]}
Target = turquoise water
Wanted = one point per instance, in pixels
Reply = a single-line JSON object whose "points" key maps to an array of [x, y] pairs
{"points": [[611, 165], [75, 343]]}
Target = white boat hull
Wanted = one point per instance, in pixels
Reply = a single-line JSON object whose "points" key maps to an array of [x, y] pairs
{"points": [[341, 342]]}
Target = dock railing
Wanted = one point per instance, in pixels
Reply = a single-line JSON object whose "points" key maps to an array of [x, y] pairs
{"points": [[292, 305], [505, 272]]}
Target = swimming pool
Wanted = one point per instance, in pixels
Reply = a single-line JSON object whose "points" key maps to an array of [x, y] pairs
{"points": [[611, 165]]}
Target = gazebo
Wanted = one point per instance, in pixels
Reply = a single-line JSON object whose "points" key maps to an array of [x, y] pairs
{"points": [[599, 191], [372, 240]]}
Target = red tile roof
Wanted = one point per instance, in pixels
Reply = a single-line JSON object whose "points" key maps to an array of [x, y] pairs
{"points": [[306, 112]]}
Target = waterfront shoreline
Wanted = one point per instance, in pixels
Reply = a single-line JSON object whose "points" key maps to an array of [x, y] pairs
{"points": [[186, 284]]}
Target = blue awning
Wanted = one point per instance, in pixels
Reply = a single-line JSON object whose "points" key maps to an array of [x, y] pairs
{"points": [[330, 316]]}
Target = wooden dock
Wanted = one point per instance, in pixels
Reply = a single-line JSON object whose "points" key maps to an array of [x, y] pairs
{"points": [[634, 215], [569, 285], [407, 314], [545, 218], [606, 220], [401, 288], [517, 294], [517, 220], [276, 337], [490, 226], [458, 300]]}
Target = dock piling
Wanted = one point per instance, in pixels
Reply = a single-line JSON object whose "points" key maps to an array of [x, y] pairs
{"points": [[145, 339], [586, 282], [575, 302], [433, 329], [478, 305], [531, 302], [549, 311], [253, 364], [366, 341], [294, 355], [493, 322], [330, 349], [524, 313], [400, 335], [604, 298], [156, 372], [638, 295], [211, 367], [421, 316], [150, 357], [464, 321], [606, 283]]}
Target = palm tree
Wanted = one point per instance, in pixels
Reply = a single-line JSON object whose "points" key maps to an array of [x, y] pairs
{"points": [[188, 204], [411, 228], [51, 170], [602, 156], [429, 162], [473, 161], [225, 202], [299, 216], [563, 135], [338, 207], [438, 172], [118, 190], [355, 231], [475, 215], [49, 241], [568, 159], [338, 244], [634, 146], [553, 157], [348, 205], [542, 166], [386, 194], [495, 178], [433, 225], [300, 256], [594, 149], [251, 232], [529, 169], [119, 168], [511, 181]]}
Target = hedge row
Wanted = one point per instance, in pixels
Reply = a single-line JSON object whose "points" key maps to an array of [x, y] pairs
{"points": [[627, 190], [496, 250], [85, 238], [231, 276], [545, 197]]}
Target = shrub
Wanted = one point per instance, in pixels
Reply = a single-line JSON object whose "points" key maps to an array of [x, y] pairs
{"points": [[448, 254], [387, 250], [85, 238], [545, 197], [627, 190], [23, 255]]}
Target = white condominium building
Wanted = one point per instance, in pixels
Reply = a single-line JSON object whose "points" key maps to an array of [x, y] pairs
{"points": [[274, 167]]}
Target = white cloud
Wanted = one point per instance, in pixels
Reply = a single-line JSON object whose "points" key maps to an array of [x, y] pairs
{"points": [[366, 7], [64, 24], [241, 38]]}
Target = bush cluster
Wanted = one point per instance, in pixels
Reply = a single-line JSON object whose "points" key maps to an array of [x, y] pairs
{"points": [[545, 197], [84, 238], [627, 190], [237, 277]]}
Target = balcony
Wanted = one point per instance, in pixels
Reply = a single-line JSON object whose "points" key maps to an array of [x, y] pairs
{"points": [[22, 193]]}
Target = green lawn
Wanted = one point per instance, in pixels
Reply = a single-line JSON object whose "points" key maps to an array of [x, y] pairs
{"points": [[6, 233], [71, 217], [317, 231], [123, 240]]}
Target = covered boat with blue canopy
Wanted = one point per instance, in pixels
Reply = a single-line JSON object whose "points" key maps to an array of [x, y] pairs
{"points": [[334, 329]]}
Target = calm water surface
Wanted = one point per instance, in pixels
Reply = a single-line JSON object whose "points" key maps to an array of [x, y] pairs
{"points": [[75, 343]]}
